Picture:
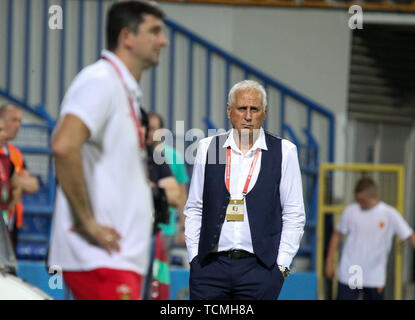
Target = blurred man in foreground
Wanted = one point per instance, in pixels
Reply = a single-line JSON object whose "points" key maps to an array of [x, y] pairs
{"points": [[103, 214]]}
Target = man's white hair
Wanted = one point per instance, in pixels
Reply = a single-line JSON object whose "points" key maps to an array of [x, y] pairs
{"points": [[247, 85]]}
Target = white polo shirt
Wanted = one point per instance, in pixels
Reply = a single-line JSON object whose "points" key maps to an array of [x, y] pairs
{"points": [[116, 181], [369, 240]]}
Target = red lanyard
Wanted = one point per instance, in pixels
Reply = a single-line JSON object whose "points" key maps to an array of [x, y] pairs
{"points": [[228, 170], [130, 102], [3, 176]]}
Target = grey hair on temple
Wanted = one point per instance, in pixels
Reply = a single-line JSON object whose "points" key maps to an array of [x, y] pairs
{"points": [[247, 85]]}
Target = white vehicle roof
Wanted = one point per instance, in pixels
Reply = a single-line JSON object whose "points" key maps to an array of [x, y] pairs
{"points": [[14, 288]]}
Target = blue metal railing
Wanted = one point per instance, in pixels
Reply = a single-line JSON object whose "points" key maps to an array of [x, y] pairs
{"points": [[309, 167], [249, 70], [311, 148]]}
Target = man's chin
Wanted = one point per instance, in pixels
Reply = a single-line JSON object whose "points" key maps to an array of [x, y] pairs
{"points": [[151, 63]]}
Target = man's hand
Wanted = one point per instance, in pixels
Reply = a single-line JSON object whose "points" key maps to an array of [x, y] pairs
{"points": [[99, 235], [170, 186], [29, 183]]}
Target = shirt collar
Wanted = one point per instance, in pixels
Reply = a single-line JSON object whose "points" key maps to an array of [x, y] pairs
{"points": [[259, 142], [130, 81]]}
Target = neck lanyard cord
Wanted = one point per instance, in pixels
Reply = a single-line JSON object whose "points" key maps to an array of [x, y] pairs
{"points": [[228, 170], [130, 102]]}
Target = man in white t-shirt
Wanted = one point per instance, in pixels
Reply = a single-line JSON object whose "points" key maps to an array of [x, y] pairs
{"points": [[103, 213], [370, 226]]}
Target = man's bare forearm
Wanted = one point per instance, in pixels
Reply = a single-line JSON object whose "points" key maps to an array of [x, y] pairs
{"points": [[333, 245], [70, 176]]}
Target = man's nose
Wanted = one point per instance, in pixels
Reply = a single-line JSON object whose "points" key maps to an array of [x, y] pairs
{"points": [[163, 40], [248, 115]]}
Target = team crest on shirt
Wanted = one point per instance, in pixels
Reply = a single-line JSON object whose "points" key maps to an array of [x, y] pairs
{"points": [[124, 292], [381, 224]]}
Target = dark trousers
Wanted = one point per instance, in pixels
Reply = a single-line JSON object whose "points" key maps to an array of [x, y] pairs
{"points": [[345, 293], [223, 278]]}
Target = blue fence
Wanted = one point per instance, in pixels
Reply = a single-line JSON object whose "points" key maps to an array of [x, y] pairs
{"points": [[309, 150], [298, 286], [44, 105]]}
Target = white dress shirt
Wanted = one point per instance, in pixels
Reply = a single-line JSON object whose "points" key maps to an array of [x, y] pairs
{"points": [[237, 234]]}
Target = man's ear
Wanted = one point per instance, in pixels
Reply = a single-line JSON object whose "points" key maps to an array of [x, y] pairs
{"points": [[124, 38], [228, 111]]}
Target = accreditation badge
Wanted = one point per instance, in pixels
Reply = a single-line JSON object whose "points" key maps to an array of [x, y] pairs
{"points": [[6, 217], [235, 210]]}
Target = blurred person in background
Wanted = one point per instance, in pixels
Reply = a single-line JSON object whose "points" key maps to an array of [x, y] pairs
{"points": [[160, 175], [175, 161], [12, 117], [166, 192], [369, 226], [103, 215], [10, 188]]}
